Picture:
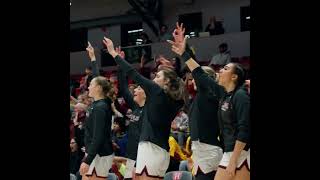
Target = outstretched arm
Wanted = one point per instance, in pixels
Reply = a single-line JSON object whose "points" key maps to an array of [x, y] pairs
{"points": [[123, 84], [148, 85], [92, 57], [179, 47]]}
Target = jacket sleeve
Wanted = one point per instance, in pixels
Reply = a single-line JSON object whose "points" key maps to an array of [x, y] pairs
{"points": [[204, 82], [241, 103], [147, 85], [124, 90]]}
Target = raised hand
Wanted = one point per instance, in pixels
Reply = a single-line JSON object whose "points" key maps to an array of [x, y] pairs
{"points": [[90, 51], [109, 44], [178, 33], [121, 53], [84, 168], [178, 47], [165, 63]]}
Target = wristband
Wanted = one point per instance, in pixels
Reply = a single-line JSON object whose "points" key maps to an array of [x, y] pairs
{"points": [[185, 56]]}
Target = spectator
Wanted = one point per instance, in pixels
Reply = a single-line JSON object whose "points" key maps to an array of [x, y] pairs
{"points": [[214, 27], [179, 127], [81, 98], [223, 57], [119, 137], [186, 165], [219, 28], [78, 121], [86, 99], [76, 156], [176, 155], [190, 86], [146, 48], [80, 113], [164, 34]]}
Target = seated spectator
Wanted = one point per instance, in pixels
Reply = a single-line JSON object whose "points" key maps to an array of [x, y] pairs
{"points": [[223, 57], [176, 155], [179, 127], [219, 29], [175, 150], [214, 27], [119, 137], [187, 164], [164, 34]]}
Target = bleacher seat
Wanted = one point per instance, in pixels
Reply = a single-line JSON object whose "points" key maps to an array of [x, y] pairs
{"points": [[178, 175], [112, 176]]}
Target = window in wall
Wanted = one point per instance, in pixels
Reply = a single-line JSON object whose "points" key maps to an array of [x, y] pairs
{"points": [[130, 33], [192, 22], [131, 42]]}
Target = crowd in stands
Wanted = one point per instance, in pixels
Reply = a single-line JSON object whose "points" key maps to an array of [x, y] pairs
{"points": [[128, 97]]}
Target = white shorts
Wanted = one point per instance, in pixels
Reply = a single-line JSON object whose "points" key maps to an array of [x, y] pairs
{"points": [[129, 168], [205, 156], [244, 159], [101, 165], [152, 159]]}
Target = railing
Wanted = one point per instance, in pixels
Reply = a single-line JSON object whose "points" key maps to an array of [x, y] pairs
{"points": [[205, 48]]}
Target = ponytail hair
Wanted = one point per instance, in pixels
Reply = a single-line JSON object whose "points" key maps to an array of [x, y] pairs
{"points": [[240, 72], [104, 83], [175, 88]]}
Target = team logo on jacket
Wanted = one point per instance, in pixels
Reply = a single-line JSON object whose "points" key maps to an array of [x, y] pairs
{"points": [[133, 118], [225, 106], [88, 112]]}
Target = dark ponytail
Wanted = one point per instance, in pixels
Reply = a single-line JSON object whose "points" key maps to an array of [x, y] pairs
{"points": [[240, 72], [175, 88]]}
